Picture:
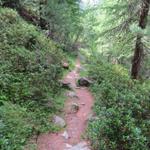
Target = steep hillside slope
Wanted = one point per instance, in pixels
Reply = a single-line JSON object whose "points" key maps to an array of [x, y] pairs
{"points": [[30, 67]]}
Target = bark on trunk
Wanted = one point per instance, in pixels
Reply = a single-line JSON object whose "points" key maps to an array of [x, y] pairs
{"points": [[25, 14], [42, 22], [139, 50]]}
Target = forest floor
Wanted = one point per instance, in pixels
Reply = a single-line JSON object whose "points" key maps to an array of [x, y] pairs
{"points": [[71, 138]]}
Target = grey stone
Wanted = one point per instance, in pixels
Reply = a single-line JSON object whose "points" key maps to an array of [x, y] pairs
{"points": [[74, 107], [66, 85], [72, 94], [80, 146], [91, 117], [59, 121], [65, 135], [84, 82], [65, 65]]}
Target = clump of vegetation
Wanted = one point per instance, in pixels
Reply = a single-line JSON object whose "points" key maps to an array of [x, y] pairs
{"points": [[122, 106], [29, 73], [116, 35]]}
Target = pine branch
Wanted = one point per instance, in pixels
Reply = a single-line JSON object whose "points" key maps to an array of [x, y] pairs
{"points": [[124, 26]]}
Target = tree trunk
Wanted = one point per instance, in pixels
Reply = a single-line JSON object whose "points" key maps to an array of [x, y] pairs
{"points": [[25, 14], [139, 50], [42, 22]]}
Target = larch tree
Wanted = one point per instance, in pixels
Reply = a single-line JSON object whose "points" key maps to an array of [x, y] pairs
{"points": [[139, 48], [120, 25], [63, 17]]}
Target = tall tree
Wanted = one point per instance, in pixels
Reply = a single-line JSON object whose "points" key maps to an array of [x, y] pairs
{"points": [[118, 27], [63, 18], [139, 48]]}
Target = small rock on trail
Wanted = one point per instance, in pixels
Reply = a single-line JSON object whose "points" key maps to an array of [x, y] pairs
{"points": [[92, 117], [65, 65], [66, 85], [75, 107], [72, 94], [59, 121], [65, 135], [84, 82], [79, 146]]}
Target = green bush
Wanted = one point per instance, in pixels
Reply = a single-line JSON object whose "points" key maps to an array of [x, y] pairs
{"points": [[30, 63], [122, 106], [30, 67], [14, 126]]}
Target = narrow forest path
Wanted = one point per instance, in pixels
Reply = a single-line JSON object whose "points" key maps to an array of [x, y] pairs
{"points": [[76, 123]]}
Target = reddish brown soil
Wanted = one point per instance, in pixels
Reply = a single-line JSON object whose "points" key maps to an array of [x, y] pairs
{"points": [[76, 122]]}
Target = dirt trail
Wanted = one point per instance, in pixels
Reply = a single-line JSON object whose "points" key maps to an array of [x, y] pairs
{"points": [[76, 122]]}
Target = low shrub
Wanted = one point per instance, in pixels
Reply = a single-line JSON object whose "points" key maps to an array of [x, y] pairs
{"points": [[122, 106], [30, 67], [14, 126], [30, 63]]}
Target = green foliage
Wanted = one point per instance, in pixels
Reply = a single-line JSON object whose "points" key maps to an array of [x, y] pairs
{"points": [[32, 59], [14, 126], [17, 124], [122, 106], [110, 29], [63, 19], [30, 67]]}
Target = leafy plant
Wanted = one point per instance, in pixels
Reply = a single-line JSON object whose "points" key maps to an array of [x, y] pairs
{"points": [[30, 67], [122, 106]]}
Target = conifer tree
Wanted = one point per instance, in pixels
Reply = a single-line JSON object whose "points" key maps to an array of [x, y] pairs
{"points": [[139, 49], [119, 26]]}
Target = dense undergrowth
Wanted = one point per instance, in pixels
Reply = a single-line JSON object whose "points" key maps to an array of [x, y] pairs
{"points": [[122, 106], [30, 67]]}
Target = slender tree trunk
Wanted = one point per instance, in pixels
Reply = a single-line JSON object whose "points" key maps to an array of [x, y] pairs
{"points": [[42, 22], [139, 50]]}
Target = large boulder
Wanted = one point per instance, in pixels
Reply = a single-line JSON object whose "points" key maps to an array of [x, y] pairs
{"points": [[84, 82]]}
